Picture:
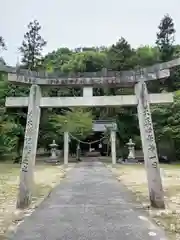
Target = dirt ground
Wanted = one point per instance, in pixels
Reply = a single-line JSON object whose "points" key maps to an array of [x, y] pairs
{"points": [[46, 178], [134, 177]]}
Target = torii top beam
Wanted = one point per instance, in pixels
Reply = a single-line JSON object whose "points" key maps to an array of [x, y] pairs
{"points": [[94, 79]]}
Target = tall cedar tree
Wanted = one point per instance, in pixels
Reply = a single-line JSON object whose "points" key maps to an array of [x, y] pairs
{"points": [[2, 47], [32, 46], [2, 43], [165, 38], [165, 43]]}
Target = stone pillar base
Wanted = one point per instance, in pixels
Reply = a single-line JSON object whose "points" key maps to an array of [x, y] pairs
{"points": [[53, 160]]}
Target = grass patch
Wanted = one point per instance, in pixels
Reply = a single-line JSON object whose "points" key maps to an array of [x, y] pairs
{"points": [[46, 178], [134, 178]]}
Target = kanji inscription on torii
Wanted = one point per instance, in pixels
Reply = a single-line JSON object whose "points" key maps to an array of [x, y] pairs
{"points": [[115, 79], [96, 79]]}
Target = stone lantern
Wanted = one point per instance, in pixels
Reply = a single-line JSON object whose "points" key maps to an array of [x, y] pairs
{"points": [[53, 146], [131, 155]]}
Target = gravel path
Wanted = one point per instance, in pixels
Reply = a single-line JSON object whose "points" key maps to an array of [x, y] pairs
{"points": [[90, 204]]}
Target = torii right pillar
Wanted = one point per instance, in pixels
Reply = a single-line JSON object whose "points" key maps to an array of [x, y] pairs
{"points": [[151, 160]]}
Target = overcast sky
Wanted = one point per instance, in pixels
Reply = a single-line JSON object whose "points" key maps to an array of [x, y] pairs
{"points": [[76, 23]]}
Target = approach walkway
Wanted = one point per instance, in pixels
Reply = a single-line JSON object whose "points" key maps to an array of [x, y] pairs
{"points": [[90, 204]]}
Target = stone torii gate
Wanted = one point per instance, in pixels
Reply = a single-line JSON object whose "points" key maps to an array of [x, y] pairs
{"points": [[87, 81]]}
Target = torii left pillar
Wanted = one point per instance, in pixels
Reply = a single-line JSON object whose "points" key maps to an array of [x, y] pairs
{"points": [[30, 146]]}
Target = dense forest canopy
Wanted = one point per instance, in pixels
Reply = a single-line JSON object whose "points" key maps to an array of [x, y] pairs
{"points": [[119, 56]]}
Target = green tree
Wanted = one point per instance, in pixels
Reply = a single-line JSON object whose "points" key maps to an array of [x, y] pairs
{"points": [[119, 56], [165, 43], [2, 43], [31, 49], [2, 48], [77, 121], [32, 46], [166, 119], [55, 60], [9, 129], [165, 38], [146, 56], [86, 61]]}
